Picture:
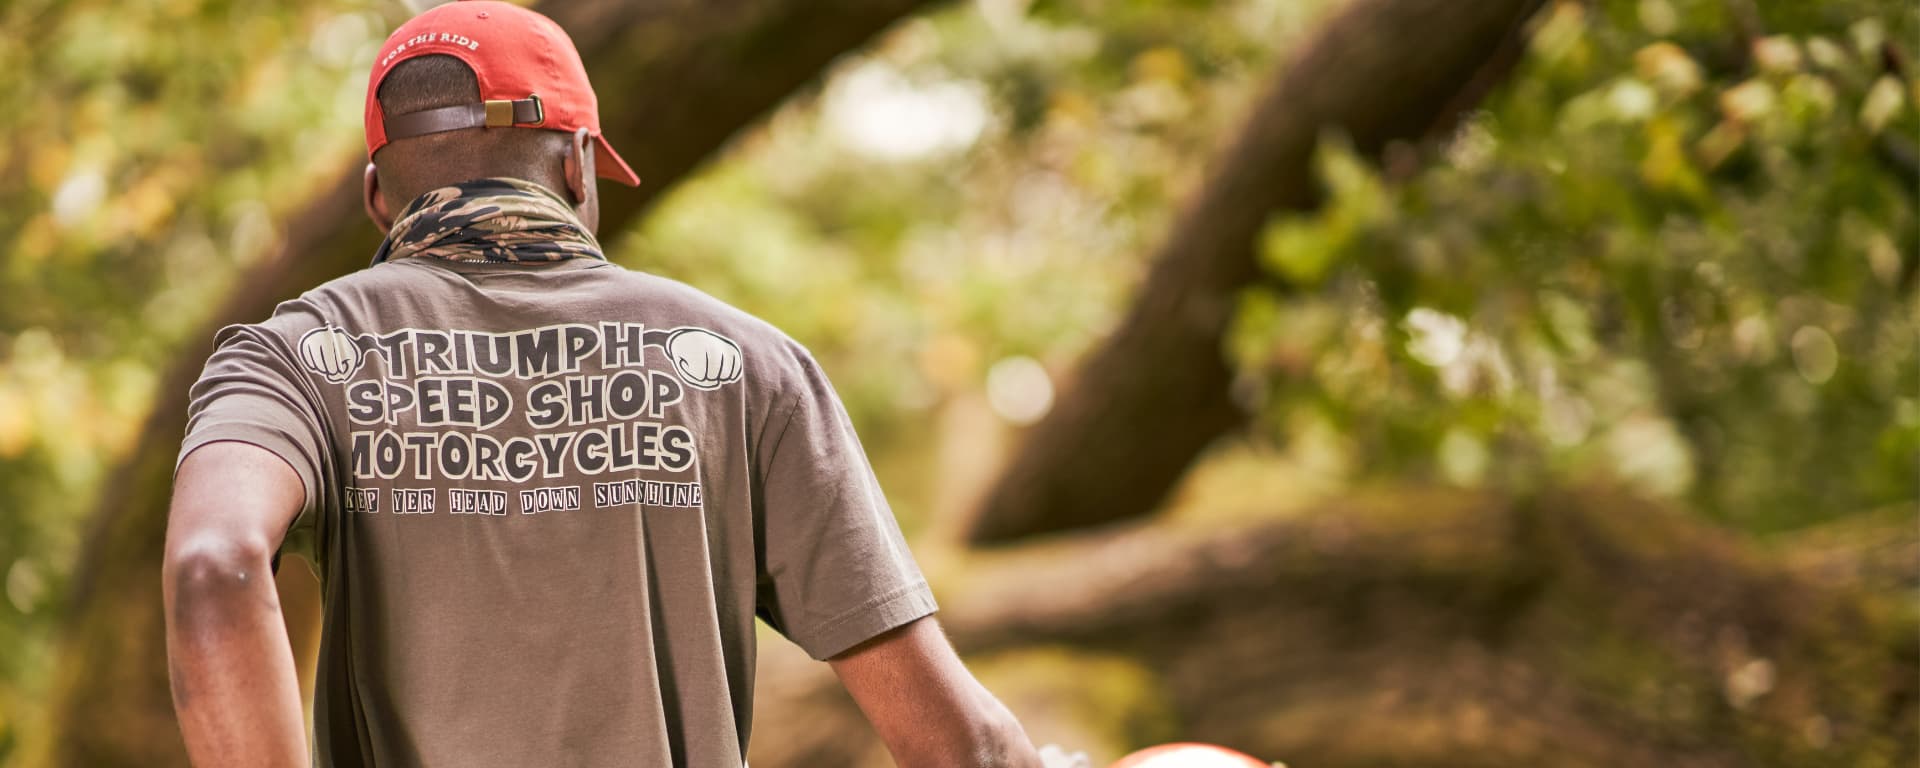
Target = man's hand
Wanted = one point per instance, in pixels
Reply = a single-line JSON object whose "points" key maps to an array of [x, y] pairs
{"points": [[927, 707], [234, 685], [704, 359]]}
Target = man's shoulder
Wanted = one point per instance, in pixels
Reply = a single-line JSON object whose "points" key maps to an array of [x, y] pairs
{"points": [[373, 284], [670, 302], [334, 302]]}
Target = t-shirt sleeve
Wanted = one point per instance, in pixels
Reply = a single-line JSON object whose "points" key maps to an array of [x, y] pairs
{"points": [[253, 392], [835, 570]]}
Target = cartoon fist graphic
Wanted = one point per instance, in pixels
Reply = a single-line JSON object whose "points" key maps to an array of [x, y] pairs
{"points": [[704, 359], [331, 353]]}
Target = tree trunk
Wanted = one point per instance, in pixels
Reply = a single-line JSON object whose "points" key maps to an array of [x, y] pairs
{"points": [[675, 80], [1450, 628], [1156, 392]]}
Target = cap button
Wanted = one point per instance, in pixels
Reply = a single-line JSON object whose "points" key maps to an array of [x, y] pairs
{"points": [[482, 14]]}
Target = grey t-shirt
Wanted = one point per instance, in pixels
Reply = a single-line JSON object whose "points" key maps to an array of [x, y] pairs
{"points": [[546, 502]]}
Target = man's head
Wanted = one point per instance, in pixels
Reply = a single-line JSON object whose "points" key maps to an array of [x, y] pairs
{"points": [[480, 89]]}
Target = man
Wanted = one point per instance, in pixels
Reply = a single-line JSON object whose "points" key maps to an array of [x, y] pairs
{"points": [[546, 496]]}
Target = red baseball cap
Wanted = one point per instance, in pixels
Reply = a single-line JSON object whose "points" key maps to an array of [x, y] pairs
{"points": [[530, 77]]}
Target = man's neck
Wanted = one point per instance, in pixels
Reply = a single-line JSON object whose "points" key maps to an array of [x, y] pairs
{"points": [[405, 194]]}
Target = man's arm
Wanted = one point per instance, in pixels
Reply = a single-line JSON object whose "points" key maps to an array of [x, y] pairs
{"points": [[234, 685], [927, 707]]}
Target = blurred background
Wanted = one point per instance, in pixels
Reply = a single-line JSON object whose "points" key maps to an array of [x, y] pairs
{"points": [[1363, 383]]}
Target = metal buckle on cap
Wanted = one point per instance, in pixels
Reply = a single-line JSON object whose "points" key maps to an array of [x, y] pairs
{"points": [[499, 113], [539, 110]]}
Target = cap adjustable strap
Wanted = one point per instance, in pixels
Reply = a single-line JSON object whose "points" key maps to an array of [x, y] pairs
{"points": [[496, 113]]}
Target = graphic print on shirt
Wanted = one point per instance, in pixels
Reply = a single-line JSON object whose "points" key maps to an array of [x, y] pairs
{"points": [[590, 402]]}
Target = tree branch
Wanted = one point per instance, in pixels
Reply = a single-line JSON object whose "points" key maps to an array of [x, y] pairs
{"points": [[1155, 394], [1579, 628], [1553, 615]]}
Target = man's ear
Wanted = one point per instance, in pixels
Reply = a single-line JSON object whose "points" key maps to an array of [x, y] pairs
{"points": [[375, 202], [583, 178]]}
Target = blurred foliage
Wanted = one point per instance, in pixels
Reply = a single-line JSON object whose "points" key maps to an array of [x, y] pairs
{"points": [[1661, 254], [151, 151]]}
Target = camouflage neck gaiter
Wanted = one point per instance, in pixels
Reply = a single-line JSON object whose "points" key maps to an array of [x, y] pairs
{"points": [[494, 219]]}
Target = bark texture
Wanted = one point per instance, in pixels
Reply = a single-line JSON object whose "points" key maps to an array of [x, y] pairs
{"points": [[1157, 392], [676, 79]]}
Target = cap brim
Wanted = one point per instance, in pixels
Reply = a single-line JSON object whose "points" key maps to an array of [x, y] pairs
{"points": [[610, 165]]}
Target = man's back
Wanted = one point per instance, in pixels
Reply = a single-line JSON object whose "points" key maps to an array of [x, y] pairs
{"points": [[541, 508]]}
